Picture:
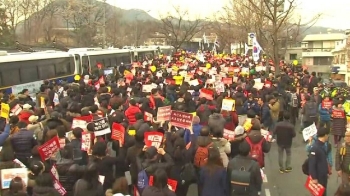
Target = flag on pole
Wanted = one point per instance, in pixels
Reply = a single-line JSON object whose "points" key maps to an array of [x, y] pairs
{"points": [[256, 50]]}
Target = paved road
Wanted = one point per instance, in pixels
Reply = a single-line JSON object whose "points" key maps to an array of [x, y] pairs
{"points": [[290, 184]]}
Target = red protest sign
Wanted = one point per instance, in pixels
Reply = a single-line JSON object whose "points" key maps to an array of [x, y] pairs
{"points": [[54, 172], [118, 132], [163, 113], [86, 141], [148, 117], [49, 148], [314, 189], [227, 80], [229, 135], [338, 114], [208, 94], [327, 104], [81, 121], [181, 119], [58, 186], [172, 184], [153, 139]]}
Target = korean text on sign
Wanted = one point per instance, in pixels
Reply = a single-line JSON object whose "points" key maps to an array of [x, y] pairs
{"points": [[49, 148], [181, 119], [163, 113], [101, 127], [153, 139]]}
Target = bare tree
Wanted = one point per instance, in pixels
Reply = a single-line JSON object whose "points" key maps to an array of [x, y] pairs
{"points": [[5, 34], [278, 16], [179, 28], [13, 13], [86, 17]]}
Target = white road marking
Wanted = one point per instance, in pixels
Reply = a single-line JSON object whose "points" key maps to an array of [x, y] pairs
{"points": [[267, 192], [265, 179]]}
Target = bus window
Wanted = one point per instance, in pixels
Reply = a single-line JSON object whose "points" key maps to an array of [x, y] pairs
{"points": [[11, 77], [63, 68], [85, 64], [29, 74], [46, 71], [113, 61]]}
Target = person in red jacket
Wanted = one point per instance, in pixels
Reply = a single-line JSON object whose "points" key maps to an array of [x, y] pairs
{"points": [[132, 111], [25, 113]]}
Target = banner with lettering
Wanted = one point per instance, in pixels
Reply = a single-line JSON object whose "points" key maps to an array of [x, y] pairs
{"points": [[16, 109], [118, 132], [49, 148], [5, 110], [153, 139], [314, 189], [163, 113], [309, 131], [58, 186], [181, 119], [86, 141], [101, 127], [338, 114], [327, 104], [8, 174], [81, 122], [228, 104]]}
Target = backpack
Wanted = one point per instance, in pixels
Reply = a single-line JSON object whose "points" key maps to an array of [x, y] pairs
{"points": [[201, 155], [188, 174], [305, 165], [142, 180], [241, 178], [310, 110], [256, 151], [294, 100]]}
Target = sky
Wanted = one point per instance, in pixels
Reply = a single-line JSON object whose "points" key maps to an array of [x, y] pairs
{"points": [[334, 13]]}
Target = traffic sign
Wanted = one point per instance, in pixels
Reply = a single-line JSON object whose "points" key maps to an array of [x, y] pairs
{"points": [[251, 37]]}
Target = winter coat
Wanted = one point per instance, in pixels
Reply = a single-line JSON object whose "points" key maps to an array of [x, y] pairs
{"points": [[224, 148], [339, 124], [130, 114], [235, 144], [45, 191], [216, 123], [325, 114]]}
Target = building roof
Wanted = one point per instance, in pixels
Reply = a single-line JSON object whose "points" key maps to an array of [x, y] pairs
{"points": [[324, 37]]}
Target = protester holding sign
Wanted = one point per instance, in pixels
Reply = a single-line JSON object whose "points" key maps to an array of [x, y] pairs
{"points": [[339, 123]]}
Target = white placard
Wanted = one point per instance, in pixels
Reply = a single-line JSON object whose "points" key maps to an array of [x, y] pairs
{"points": [[309, 131]]}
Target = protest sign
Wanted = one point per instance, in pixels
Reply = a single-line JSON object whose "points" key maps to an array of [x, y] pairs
{"points": [[153, 139], [163, 113], [181, 119], [49, 148], [314, 189], [8, 174], [118, 132], [101, 127], [309, 131]]}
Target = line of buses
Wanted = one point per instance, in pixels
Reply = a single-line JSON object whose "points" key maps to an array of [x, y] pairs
{"points": [[23, 70]]}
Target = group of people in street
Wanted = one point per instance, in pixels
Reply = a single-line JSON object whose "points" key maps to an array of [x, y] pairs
{"points": [[112, 135]]}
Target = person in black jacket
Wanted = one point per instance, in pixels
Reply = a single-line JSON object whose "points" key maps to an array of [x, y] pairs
{"points": [[285, 132], [244, 160], [22, 143], [318, 165]]}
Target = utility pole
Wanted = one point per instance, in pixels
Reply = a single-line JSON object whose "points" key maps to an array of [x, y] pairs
{"points": [[104, 25]]}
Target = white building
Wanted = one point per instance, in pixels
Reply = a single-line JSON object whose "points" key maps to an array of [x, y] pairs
{"points": [[317, 52], [341, 60]]}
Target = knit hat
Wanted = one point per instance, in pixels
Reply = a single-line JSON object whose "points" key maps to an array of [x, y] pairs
{"points": [[239, 130]]}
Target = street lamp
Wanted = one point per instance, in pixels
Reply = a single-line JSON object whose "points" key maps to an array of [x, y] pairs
{"points": [[136, 27]]}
